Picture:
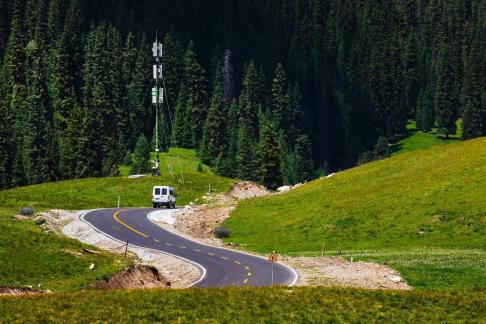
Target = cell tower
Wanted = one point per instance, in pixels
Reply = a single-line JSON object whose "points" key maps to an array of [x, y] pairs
{"points": [[157, 98]]}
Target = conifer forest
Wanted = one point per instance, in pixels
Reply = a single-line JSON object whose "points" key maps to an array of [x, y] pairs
{"points": [[274, 91]]}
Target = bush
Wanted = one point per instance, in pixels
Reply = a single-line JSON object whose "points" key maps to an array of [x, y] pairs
{"points": [[26, 211], [221, 232], [39, 221]]}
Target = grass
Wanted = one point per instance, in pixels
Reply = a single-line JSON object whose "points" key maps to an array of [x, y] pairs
{"points": [[29, 255], [424, 200], [175, 161], [103, 192], [248, 305], [418, 140]]}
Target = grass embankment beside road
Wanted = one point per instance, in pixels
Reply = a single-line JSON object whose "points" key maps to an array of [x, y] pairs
{"points": [[248, 305], [104, 192], [423, 212], [30, 256]]}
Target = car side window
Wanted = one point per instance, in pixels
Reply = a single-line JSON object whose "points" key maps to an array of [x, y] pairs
{"points": [[172, 192]]}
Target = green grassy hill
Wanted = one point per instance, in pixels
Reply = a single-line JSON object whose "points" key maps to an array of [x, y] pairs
{"points": [[29, 255], [418, 140], [249, 305], [423, 212]]}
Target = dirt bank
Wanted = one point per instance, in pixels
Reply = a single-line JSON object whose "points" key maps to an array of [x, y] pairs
{"points": [[337, 271], [135, 277], [199, 221], [177, 272], [21, 291]]}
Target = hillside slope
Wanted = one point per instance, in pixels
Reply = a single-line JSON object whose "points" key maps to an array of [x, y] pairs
{"points": [[423, 212]]}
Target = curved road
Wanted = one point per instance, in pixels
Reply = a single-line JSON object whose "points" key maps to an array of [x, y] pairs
{"points": [[219, 267]]}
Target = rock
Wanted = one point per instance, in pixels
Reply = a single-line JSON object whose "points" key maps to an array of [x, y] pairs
{"points": [[396, 279], [136, 176], [284, 189], [297, 186], [330, 175], [91, 251], [92, 266]]}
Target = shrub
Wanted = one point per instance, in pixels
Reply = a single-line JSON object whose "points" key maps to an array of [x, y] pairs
{"points": [[221, 232], [39, 221], [26, 211]]}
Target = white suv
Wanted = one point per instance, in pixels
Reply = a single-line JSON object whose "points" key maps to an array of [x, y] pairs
{"points": [[163, 196]]}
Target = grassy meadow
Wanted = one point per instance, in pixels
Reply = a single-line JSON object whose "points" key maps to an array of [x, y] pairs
{"points": [[248, 305], [29, 256], [418, 140], [429, 200]]}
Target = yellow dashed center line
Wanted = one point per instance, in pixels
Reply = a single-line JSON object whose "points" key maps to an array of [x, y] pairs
{"points": [[115, 216]]}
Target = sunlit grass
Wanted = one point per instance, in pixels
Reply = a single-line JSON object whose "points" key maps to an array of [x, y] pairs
{"points": [[249, 305], [427, 199]]}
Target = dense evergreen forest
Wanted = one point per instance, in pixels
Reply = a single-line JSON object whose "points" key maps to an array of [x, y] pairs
{"points": [[277, 91]]}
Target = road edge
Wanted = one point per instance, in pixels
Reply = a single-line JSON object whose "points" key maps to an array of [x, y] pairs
{"points": [[292, 270]]}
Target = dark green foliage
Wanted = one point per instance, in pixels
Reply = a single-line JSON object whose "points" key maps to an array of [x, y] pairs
{"points": [[215, 140], [382, 149], [303, 154], [245, 159], [196, 105], [221, 232], [141, 156], [348, 74], [268, 152]]}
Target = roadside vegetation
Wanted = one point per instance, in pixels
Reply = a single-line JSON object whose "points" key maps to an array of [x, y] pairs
{"points": [[103, 192], [248, 305], [429, 200], [30, 256]]}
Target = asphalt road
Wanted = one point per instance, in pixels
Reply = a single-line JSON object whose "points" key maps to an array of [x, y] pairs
{"points": [[219, 267]]}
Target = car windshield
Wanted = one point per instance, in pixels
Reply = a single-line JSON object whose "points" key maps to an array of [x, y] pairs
{"points": [[164, 192], [157, 191]]}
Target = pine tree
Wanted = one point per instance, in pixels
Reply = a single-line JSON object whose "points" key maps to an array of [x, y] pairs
{"points": [[226, 161], [446, 111], [38, 140], [280, 98], [141, 156], [269, 151], [251, 100], [181, 131], [382, 149], [246, 163], [173, 74], [305, 164], [425, 110], [471, 96], [215, 129], [196, 93], [12, 94]]}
